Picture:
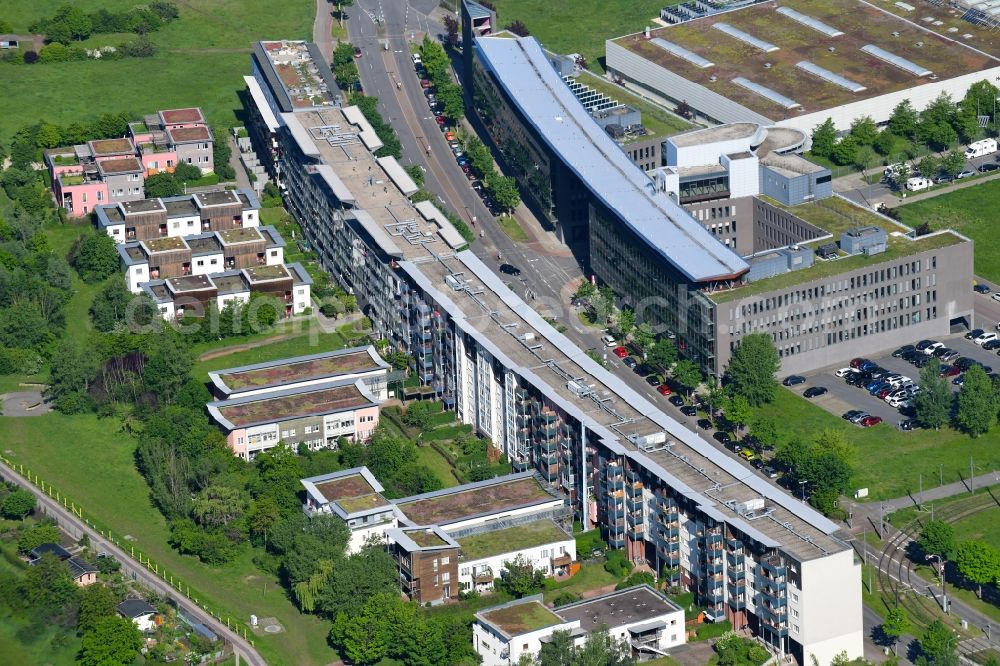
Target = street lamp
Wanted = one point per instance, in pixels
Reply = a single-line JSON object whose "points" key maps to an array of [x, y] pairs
{"points": [[940, 568], [802, 490]]}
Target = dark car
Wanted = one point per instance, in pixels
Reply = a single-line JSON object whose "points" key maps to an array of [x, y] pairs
{"points": [[988, 369], [704, 424], [507, 269], [911, 356], [689, 410], [770, 472], [941, 351], [630, 362], [958, 381], [854, 413], [357, 52], [982, 288], [815, 391], [990, 345], [902, 351], [921, 361], [909, 424], [964, 363], [676, 401], [792, 380], [986, 168], [653, 380], [722, 437], [868, 366], [974, 333], [924, 344]]}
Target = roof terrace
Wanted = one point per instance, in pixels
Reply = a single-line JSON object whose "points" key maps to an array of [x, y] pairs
{"points": [[298, 74], [498, 542], [520, 618]]}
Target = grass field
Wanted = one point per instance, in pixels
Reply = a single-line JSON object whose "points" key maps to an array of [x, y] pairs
{"points": [[512, 228], [890, 460], [591, 576], [109, 487], [201, 61], [307, 342], [969, 211], [580, 26]]}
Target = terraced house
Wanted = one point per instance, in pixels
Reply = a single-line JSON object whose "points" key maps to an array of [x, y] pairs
{"points": [[751, 552], [219, 210]]}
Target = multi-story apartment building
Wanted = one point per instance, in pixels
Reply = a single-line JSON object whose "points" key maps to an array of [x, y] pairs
{"points": [[752, 552], [355, 495], [185, 215], [638, 617], [670, 246], [108, 171], [353, 363], [315, 416], [191, 295], [200, 254]]}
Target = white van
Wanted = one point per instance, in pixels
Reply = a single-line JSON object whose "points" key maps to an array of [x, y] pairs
{"points": [[980, 148], [896, 171], [918, 183]]}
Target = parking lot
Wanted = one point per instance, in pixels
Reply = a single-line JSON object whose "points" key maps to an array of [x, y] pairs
{"points": [[842, 397]]}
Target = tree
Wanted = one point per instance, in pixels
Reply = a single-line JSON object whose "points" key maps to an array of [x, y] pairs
{"points": [[937, 538], [979, 563], [739, 412], [953, 163], [626, 321], [518, 28], [36, 535], [884, 142], [644, 337], [904, 119], [715, 396], [602, 304], [110, 306], [938, 644], [452, 27], [824, 138], [977, 402], [663, 354], [933, 403], [219, 505], [687, 374], [18, 504], [346, 75], [929, 166], [264, 514], [168, 366], [846, 151], [186, 172], [96, 603], [278, 473], [752, 368], [519, 577], [452, 104], [113, 641], [162, 184], [503, 189], [49, 586], [864, 158], [73, 368], [764, 430], [365, 639], [585, 290], [864, 130], [95, 257], [895, 625]]}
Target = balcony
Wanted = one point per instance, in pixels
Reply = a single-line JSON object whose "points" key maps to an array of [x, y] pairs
{"points": [[713, 566], [616, 541], [615, 483], [734, 559], [737, 601], [773, 566], [615, 511]]}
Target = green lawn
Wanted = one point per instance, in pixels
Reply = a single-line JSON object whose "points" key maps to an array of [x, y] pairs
{"points": [[970, 211], [591, 576], [427, 455], [201, 61], [890, 460], [512, 228], [300, 345], [984, 526], [580, 26], [110, 489]]}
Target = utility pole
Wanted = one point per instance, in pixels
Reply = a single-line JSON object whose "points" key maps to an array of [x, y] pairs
{"points": [[941, 474], [920, 494], [972, 475]]}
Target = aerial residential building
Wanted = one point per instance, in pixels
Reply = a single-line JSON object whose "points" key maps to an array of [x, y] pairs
{"points": [[427, 559], [641, 618], [191, 295], [353, 363], [141, 613], [184, 215], [797, 64], [354, 495], [315, 417], [81, 571], [200, 254], [108, 171], [749, 551]]}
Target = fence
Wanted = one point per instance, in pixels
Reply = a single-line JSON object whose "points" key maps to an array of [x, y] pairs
{"points": [[137, 555]]}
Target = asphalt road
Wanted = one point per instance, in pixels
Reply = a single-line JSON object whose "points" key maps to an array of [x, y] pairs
{"points": [[986, 310], [868, 195], [75, 526]]}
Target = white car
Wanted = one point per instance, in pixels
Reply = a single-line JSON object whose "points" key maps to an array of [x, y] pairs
{"points": [[984, 337], [608, 341], [996, 296], [843, 372], [933, 347]]}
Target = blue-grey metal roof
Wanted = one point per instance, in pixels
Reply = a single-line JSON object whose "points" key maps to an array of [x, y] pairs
{"points": [[766, 93], [809, 21], [682, 53], [898, 61], [746, 37], [832, 77], [522, 68]]}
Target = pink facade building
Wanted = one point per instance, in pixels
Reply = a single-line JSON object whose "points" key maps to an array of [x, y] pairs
{"points": [[108, 171]]}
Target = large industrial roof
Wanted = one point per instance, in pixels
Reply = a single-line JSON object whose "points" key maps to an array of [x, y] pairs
{"points": [[523, 69]]}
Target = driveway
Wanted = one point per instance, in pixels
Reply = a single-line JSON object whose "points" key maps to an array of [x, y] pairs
{"points": [[24, 403]]}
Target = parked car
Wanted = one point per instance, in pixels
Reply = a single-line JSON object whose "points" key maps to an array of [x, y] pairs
{"points": [[843, 372], [439, 120], [747, 454], [770, 472], [990, 345], [870, 421], [859, 417], [653, 381], [689, 410], [704, 424], [933, 346], [722, 437], [958, 381], [792, 380], [608, 340], [815, 391], [982, 288], [425, 83], [921, 361], [909, 424], [903, 350], [989, 166], [971, 335], [621, 352], [950, 371], [983, 338], [630, 362], [923, 345], [854, 413], [663, 389], [963, 363], [357, 52], [676, 400], [948, 355], [858, 362]]}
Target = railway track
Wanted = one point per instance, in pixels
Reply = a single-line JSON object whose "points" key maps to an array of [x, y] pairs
{"points": [[894, 573]]}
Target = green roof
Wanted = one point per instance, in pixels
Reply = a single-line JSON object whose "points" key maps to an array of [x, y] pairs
{"points": [[521, 618], [426, 538], [511, 539], [836, 216], [657, 121]]}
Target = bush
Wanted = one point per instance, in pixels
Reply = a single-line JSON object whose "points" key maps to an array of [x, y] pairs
{"points": [[640, 578], [618, 564], [95, 257], [590, 542], [713, 630], [564, 598], [15, 361], [187, 172]]}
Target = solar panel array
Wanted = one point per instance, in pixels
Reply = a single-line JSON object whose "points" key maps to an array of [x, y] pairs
{"points": [[809, 21], [835, 79], [766, 47], [682, 53], [894, 59], [766, 93]]}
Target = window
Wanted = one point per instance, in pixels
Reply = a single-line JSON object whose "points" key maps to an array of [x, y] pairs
{"points": [[445, 561], [201, 262], [84, 197], [138, 271]]}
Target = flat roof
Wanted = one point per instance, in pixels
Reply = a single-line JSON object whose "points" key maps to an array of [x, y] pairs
{"points": [[240, 235], [178, 116], [285, 405], [217, 198], [520, 618], [462, 502], [837, 215], [860, 23], [522, 68], [267, 273], [498, 542], [347, 491], [100, 147], [298, 73], [190, 283], [616, 609], [203, 244], [727, 132], [142, 206], [299, 369], [165, 244], [189, 134], [119, 165]]}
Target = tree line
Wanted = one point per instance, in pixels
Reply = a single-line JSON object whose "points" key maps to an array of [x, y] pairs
{"points": [[974, 409]]}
